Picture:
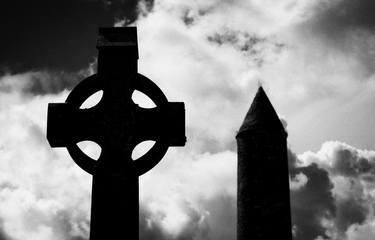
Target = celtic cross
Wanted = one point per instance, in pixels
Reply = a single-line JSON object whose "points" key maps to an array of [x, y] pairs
{"points": [[117, 124]]}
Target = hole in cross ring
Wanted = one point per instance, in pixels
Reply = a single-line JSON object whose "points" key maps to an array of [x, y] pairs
{"points": [[142, 100], [142, 148], [90, 148], [93, 100]]}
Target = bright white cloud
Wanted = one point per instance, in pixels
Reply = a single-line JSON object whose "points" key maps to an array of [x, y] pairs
{"points": [[42, 194], [310, 82]]}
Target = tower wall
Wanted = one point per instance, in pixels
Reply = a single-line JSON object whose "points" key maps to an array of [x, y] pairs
{"points": [[263, 186]]}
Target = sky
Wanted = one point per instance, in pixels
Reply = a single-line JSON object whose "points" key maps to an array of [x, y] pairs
{"points": [[314, 58]]}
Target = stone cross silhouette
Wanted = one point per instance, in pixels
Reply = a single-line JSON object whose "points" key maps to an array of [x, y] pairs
{"points": [[117, 124]]}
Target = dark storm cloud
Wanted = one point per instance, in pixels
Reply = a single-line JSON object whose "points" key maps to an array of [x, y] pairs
{"points": [[55, 82], [59, 35], [3, 234], [251, 45], [349, 212], [334, 190], [336, 18], [234, 38], [347, 162], [40, 83], [64, 225], [221, 223], [292, 161], [311, 203], [348, 26], [191, 17]]}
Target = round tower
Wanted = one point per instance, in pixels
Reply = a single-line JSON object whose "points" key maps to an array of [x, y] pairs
{"points": [[263, 205]]}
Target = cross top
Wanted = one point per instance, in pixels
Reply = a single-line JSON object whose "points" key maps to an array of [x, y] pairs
{"points": [[116, 123]]}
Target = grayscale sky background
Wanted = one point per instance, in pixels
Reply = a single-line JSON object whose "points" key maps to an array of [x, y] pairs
{"points": [[315, 59]]}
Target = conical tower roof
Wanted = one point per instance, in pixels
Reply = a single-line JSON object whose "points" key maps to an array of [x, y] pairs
{"points": [[262, 116]]}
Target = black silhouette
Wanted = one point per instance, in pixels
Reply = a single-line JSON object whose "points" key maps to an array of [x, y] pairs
{"points": [[117, 124], [263, 205]]}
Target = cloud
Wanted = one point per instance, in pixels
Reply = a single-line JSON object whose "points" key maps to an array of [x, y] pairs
{"points": [[346, 26], [184, 197], [312, 203], [219, 64], [31, 206], [40, 82], [336, 198], [172, 207], [342, 15], [223, 53], [361, 232], [188, 199]]}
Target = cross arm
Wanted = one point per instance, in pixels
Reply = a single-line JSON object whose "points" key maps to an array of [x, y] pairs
{"points": [[164, 123], [67, 124]]}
